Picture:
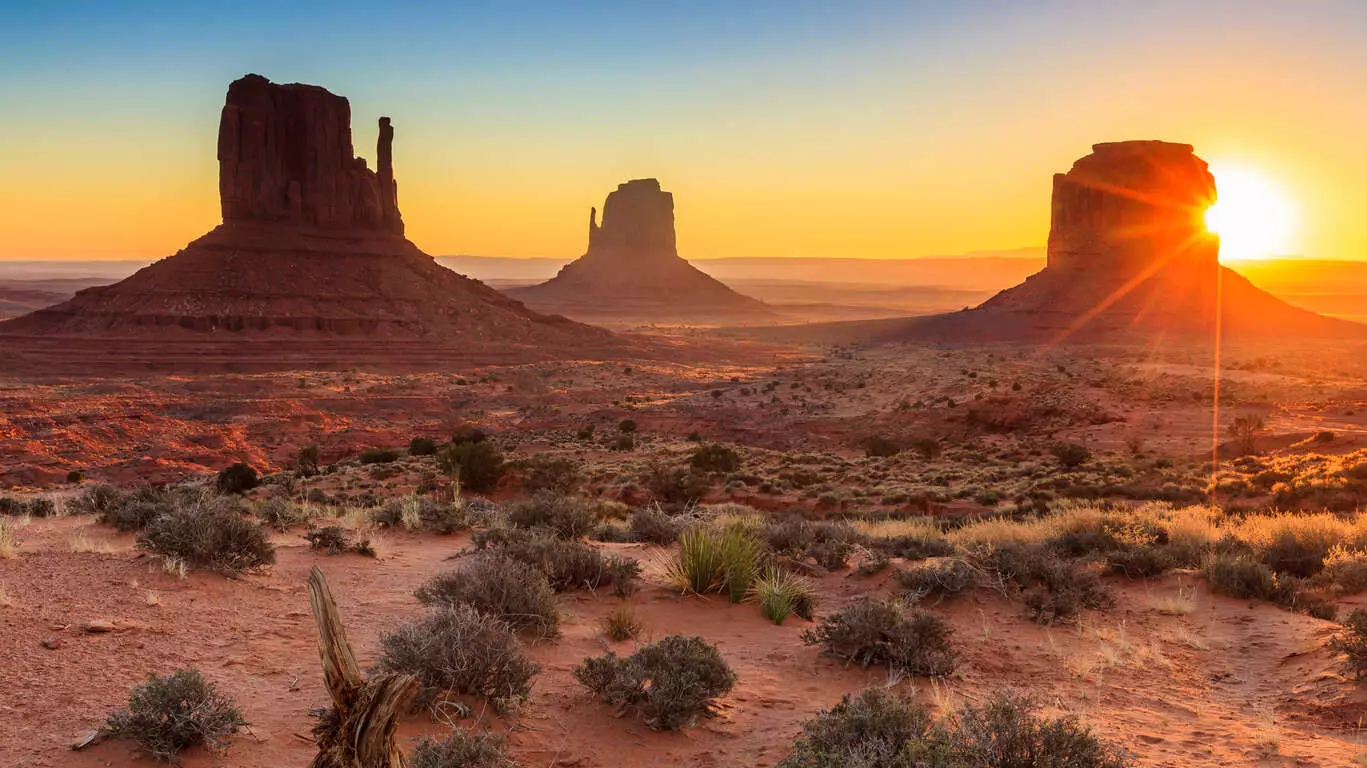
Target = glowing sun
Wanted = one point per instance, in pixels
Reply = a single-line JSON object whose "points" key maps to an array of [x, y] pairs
{"points": [[1253, 217]]}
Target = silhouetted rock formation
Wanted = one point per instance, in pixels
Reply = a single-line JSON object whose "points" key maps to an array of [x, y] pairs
{"points": [[1129, 254], [310, 248], [632, 270]]}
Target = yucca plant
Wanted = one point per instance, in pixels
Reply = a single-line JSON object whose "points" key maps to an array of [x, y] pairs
{"points": [[782, 593], [712, 560]]}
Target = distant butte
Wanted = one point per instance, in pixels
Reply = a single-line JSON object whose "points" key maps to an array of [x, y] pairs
{"points": [[1129, 256], [309, 265], [632, 270]]}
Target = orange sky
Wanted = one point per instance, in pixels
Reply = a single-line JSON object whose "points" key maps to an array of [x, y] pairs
{"points": [[897, 136]]}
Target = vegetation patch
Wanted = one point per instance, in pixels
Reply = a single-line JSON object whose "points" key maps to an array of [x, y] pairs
{"points": [[671, 682], [169, 714]]}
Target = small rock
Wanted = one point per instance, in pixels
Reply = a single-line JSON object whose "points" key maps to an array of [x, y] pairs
{"points": [[98, 625], [51, 642]]}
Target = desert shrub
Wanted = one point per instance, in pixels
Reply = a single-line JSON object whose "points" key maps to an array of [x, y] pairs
{"points": [[468, 433], [626, 426], [422, 446], [715, 458], [331, 539], [877, 446], [1345, 569], [169, 714], [1071, 455], [1352, 643], [566, 564], [675, 484], [500, 586], [457, 649], [307, 461], [75, 476], [421, 513], [1140, 562], [133, 511], [238, 478], [671, 682], [479, 465], [97, 500], [559, 476], [928, 447], [1240, 575], [873, 729], [882, 729], [782, 593], [209, 534], [282, 514], [938, 580], [1008, 732], [653, 524], [881, 632], [621, 624], [828, 543], [1053, 589], [378, 456], [711, 560], [462, 749], [1245, 430], [565, 516]]}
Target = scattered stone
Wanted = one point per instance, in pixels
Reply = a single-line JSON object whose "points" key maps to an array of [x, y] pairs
{"points": [[51, 642], [98, 626]]}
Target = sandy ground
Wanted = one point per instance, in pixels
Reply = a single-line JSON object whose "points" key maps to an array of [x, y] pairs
{"points": [[1179, 676]]}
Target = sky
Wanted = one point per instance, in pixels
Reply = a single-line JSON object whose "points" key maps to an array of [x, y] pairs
{"points": [[849, 129]]}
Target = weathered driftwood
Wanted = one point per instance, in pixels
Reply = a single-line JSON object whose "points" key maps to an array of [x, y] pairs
{"points": [[358, 731]]}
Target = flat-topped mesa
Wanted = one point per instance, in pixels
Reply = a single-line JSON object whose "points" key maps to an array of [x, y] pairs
{"points": [[1131, 208], [638, 224], [285, 155]]}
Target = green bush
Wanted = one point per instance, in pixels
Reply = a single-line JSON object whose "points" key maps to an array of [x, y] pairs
{"points": [[671, 682], [479, 465], [210, 534], [672, 485], [500, 586], [1007, 731], [307, 461], [167, 715], [627, 426], [1140, 561], [1240, 575], [1053, 589], [725, 561], [457, 649], [238, 478], [462, 749], [281, 514], [715, 458], [881, 632]]}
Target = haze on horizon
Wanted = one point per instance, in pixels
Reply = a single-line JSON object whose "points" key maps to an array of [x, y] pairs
{"points": [[873, 130]]}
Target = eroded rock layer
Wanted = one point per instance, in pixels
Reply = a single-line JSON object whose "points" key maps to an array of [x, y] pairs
{"points": [[632, 270]]}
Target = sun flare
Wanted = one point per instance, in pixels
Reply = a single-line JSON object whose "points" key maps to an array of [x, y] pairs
{"points": [[1253, 216]]}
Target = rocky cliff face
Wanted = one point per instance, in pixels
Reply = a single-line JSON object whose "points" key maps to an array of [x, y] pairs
{"points": [[1129, 256], [309, 268], [638, 225], [632, 271], [1131, 206], [285, 155]]}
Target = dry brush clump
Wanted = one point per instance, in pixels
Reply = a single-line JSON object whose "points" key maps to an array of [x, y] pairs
{"points": [[167, 715], [565, 516], [567, 564], [878, 728], [881, 632], [457, 649], [938, 580], [208, 531], [495, 584], [670, 683], [421, 513], [462, 749]]}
